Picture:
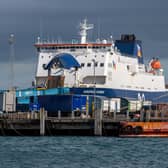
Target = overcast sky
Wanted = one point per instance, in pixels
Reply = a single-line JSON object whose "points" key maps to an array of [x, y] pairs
{"points": [[58, 19]]}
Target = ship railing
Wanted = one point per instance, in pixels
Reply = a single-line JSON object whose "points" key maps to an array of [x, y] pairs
{"points": [[20, 116], [151, 73], [73, 41]]}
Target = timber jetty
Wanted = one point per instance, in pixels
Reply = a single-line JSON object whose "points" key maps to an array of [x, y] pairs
{"points": [[38, 123], [33, 123], [59, 112]]}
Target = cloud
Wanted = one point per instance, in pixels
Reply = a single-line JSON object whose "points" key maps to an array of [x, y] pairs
{"points": [[23, 75], [55, 19]]}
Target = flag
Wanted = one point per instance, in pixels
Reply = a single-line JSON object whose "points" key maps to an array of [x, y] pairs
{"points": [[114, 65]]}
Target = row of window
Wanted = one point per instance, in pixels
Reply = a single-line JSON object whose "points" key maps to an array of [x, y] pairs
{"points": [[90, 64], [94, 56], [76, 56], [85, 56]]}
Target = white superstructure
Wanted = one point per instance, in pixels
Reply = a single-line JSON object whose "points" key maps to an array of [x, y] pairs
{"points": [[113, 69]]}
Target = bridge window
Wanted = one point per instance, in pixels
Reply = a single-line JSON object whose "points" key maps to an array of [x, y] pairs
{"points": [[82, 64], [72, 49], [96, 64]]}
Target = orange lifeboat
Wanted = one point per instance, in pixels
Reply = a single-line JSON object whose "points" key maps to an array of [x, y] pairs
{"points": [[156, 64]]}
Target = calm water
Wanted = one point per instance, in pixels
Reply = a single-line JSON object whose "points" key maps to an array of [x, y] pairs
{"points": [[80, 152]]}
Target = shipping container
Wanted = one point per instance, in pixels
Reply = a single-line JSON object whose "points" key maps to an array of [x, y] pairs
{"points": [[115, 105], [94, 103], [35, 92], [9, 101], [64, 103], [135, 105], [22, 104], [23, 100], [105, 105], [147, 105], [28, 92], [22, 107]]}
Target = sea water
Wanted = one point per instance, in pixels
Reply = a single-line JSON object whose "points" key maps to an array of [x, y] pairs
{"points": [[83, 152]]}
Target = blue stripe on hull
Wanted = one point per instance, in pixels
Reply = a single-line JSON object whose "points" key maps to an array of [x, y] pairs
{"points": [[155, 97]]}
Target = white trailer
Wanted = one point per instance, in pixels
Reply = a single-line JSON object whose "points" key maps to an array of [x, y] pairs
{"points": [[9, 101]]}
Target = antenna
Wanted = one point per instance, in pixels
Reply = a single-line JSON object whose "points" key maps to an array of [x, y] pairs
{"points": [[83, 30], [98, 28], [11, 59], [41, 28]]}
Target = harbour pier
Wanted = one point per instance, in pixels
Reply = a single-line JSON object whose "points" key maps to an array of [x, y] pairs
{"points": [[28, 123], [149, 123]]}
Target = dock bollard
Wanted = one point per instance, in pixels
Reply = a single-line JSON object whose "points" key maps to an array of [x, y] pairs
{"points": [[59, 114], [72, 115], [142, 115], [148, 115], [114, 115], [128, 118], [162, 114], [115, 112]]}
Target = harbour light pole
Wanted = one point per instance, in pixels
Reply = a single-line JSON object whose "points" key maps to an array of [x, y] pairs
{"points": [[94, 82], [11, 59]]}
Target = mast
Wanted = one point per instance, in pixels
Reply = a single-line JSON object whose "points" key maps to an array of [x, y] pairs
{"points": [[83, 30]]}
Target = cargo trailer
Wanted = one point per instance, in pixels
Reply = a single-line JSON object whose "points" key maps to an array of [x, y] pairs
{"points": [[63, 103]]}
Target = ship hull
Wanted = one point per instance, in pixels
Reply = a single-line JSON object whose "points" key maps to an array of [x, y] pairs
{"points": [[155, 97]]}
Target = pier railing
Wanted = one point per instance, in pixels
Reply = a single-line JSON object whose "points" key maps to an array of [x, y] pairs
{"points": [[148, 115], [20, 116]]}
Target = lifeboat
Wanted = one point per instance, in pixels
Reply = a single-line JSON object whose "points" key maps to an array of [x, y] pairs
{"points": [[155, 64]]}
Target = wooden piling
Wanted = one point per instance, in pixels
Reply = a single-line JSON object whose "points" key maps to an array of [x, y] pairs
{"points": [[42, 121], [98, 121]]}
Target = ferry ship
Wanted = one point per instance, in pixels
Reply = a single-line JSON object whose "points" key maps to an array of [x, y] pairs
{"points": [[107, 67]]}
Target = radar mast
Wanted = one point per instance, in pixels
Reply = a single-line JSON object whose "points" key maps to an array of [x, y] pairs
{"points": [[83, 30]]}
